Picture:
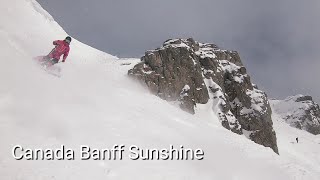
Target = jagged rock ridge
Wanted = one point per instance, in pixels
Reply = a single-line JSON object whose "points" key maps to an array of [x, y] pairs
{"points": [[300, 112], [194, 73]]}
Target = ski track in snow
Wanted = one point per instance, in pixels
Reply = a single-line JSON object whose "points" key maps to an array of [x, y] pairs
{"points": [[94, 103]]}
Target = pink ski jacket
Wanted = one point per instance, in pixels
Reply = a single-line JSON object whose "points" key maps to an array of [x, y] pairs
{"points": [[62, 48]]}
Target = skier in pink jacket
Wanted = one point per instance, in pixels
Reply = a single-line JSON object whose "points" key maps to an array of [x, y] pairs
{"points": [[62, 48]]}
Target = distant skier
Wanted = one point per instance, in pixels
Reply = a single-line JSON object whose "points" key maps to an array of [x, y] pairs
{"points": [[61, 48], [297, 139]]}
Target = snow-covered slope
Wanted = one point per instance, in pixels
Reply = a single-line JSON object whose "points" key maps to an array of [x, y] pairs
{"points": [[302, 159], [95, 104]]}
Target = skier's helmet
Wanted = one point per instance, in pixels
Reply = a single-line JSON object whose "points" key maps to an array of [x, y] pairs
{"points": [[68, 39]]}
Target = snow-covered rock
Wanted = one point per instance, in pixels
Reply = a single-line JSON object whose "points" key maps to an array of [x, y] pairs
{"points": [[211, 75], [299, 111]]}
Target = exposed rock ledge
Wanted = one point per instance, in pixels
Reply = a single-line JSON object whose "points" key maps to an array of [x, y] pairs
{"points": [[194, 73]]}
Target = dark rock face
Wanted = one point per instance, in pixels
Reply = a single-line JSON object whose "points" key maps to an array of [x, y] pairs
{"points": [[303, 98], [192, 73], [173, 73], [300, 112]]}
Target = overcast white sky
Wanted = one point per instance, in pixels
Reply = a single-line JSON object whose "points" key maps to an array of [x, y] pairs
{"points": [[278, 40]]}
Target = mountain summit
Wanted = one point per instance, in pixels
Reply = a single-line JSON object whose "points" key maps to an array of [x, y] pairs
{"points": [[299, 111], [191, 73]]}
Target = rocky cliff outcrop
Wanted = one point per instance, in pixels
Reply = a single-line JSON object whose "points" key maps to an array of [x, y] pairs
{"points": [[192, 73], [299, 111]]}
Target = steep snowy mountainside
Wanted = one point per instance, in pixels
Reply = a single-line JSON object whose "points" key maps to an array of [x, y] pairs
{"points": [[299, 111], [30, 30], [94, 103], [302, 156]]}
